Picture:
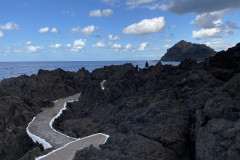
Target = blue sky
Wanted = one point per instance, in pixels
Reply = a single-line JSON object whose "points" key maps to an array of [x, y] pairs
{"points": [[98, 30]]}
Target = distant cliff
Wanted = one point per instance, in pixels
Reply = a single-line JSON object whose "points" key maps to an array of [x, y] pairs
{"points": [[183, 50]]}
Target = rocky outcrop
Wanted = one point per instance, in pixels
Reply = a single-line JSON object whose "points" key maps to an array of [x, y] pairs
{"points": [[185, 50], [22, 98], [163, 112], [184, 112]]}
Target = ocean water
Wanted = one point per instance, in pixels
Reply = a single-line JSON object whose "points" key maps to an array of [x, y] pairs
{"points": [[15, 69]]}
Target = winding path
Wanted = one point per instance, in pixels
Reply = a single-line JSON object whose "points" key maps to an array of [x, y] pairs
{"points": [[41, 130]]}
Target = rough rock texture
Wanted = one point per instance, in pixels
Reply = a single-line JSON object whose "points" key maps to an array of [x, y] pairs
{"points": [[184, 50], [186, 112], [22, 98]]}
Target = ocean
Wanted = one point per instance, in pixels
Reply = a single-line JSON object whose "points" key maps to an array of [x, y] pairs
{"points": [[15, 69]]}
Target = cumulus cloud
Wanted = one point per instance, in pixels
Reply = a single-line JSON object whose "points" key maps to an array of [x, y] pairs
{"points": [[57, 45], [78, 45], [113, 38], [128, 46], [1, 34], [146, 26], [99, 44], [32, 49], [215, 20], [54, 30], [207, 33], [218, 44], [99, 13], [43, 30], [208, 20], [9, 26], [143, 46], [28, 42], [87, 30], [116, 47]]}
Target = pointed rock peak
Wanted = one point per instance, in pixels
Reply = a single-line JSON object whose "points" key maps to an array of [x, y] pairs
{"points": [[182, 41]]}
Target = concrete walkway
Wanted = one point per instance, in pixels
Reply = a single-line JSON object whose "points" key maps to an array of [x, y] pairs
{"points": [[65, 147], [68, 151]]}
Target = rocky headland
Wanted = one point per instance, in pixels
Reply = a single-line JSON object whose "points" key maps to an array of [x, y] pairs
{"points": [[185, 112], [183, 50]]}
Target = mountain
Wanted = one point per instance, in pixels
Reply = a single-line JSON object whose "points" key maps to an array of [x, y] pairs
{"points": [[183, 50]]}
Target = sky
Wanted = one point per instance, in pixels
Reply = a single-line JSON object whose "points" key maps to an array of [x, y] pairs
{"points": [[112, 30]]}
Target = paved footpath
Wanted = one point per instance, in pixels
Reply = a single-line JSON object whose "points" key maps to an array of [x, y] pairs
{"points": [[65, 147]]}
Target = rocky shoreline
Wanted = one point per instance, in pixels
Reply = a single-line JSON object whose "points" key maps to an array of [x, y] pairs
{"points": [[184, 112]]}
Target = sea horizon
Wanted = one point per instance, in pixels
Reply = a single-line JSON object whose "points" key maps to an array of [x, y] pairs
{"points": [[15, 69]]}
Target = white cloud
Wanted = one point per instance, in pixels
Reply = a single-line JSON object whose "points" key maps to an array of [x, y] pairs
{"points": [[113, 38], [143, 46], [209, 20], [157, 6], [112, 2], [116, 47], [32, 49], [76, 30], [207, 33], [43, 30], [99, 13], [87, 30], [1, 34], [135, 3], [68, 45], [167, 46], [107, 12], [218, 44], [99, 44], [9, 26], [78, 45], [146, 26], [57, 45], [128, 46], [28, 42], [54, 30]]}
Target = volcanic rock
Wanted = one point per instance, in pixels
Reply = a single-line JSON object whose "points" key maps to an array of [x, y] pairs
{"points": [[186, 50]]}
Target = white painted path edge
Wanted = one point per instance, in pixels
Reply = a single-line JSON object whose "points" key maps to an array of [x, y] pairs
{"points": [[47, 145]]}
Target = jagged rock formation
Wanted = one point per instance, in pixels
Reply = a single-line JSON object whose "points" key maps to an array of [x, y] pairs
{"points": [[186, 112], [22, 98], [185, 50]]}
